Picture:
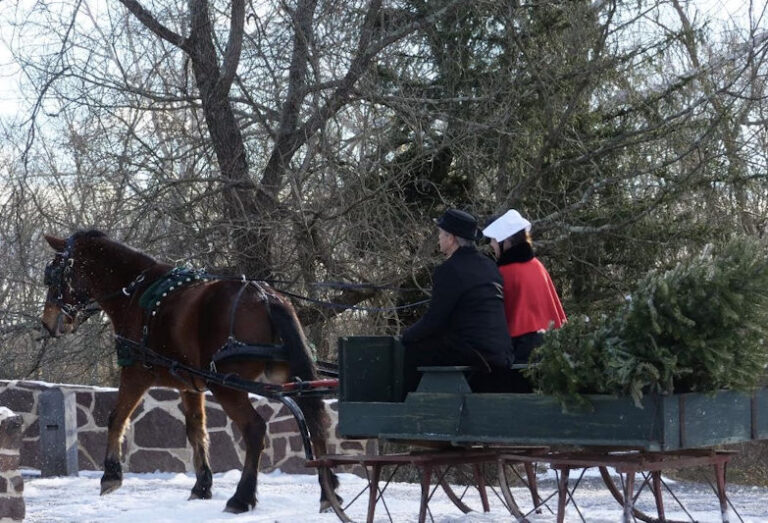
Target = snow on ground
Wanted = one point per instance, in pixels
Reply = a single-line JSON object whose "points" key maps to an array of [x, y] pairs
{"points": [[285, 498]]}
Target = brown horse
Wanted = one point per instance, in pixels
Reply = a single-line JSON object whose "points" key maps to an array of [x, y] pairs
{"points": [[189, 323]]}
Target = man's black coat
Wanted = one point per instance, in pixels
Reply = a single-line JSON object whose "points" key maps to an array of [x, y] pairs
{"points": [[467, 308]]}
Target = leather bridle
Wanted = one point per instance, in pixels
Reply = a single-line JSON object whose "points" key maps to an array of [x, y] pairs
{"points": [[58, 278]]}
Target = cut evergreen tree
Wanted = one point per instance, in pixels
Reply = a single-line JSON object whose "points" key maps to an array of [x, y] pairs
{"points": [[700, 326]]}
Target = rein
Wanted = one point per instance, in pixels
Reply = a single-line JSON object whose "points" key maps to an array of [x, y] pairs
{"points": [[333, 285], [334, 305]]}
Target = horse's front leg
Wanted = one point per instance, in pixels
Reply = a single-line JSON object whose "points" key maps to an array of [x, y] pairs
{"points": [[132, 387], [194, 413], [253, 428]]}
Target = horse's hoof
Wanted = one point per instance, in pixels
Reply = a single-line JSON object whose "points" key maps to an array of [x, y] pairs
{"points": [[200, 495], [325, 505], [235, 506], [110, 486]]}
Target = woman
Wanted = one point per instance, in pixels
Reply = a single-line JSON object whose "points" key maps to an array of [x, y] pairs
{"points": [[531, 303]]}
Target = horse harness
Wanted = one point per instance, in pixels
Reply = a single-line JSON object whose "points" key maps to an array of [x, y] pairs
{"points": [[128, 351]]}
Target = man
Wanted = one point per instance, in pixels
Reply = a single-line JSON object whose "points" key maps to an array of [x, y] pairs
{"points": [[465, 323]]}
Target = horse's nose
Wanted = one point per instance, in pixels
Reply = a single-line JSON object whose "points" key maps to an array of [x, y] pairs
{"points": [[52, 320]]}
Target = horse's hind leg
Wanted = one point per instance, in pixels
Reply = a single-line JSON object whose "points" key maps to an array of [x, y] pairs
{"points": [[194, 414], [132, 388], [317, 423], [253, 428]]}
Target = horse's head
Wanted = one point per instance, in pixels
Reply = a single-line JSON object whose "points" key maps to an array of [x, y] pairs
{"points": [[68, 302]]}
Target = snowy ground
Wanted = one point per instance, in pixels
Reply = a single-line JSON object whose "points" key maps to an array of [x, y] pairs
{"points": [[161, 497]]}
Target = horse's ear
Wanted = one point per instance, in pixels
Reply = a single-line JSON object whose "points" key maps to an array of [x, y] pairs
{"points": [[58, 244]]}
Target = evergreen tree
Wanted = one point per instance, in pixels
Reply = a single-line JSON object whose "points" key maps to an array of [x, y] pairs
{"points": [[700, 326]]}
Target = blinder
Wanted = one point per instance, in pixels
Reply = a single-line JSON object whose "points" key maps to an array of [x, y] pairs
{"points": [[56, 271], [58, 277]]}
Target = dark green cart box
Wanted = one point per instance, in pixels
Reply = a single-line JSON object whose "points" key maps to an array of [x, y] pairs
{"points": [[441, 411]]}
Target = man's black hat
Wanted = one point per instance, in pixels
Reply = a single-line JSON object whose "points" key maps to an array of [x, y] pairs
{"points": [[459, 223]]}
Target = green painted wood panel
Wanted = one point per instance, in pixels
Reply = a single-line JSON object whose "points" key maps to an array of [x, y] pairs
{"points": [[760, 415], [664, 423], [434, 415], [714, 419], [366, 419], [534, 419], [371, 368]]}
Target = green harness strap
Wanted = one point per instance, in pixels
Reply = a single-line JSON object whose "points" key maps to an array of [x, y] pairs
{"points": [[152, 298], [169, 282]]}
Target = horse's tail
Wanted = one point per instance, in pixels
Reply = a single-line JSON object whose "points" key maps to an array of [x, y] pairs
{"points": [[302, 365], [299, 355]]}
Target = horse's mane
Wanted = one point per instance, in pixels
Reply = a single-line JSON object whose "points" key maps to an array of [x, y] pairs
{"points": [[119, 248], [89, 234]]}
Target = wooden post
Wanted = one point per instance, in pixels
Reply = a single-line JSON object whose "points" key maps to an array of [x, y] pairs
{"points": [[477, 469], [426, 480], [533, 488], [656, 485], [629, 497], [562, 494], [720, 480], [373, 490]]}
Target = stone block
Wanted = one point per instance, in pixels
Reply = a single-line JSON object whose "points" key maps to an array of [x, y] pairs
{"points": [[163, 394], [12, 508], [18, 484], [82, 418], [295, 465], [18, 400], [222, 452], [295, 443], [284, 426], [104, 402], [33, 431], [94, 444], [9, 461], [215, 417], [86, 462], [85, 399], [152, 460], [278, 450], [158, 429], [30, 453], [10, 432], [265, 410]]}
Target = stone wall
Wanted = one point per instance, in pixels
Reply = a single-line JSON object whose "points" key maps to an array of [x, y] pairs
{"points": [[156, 437], [11, 484]]}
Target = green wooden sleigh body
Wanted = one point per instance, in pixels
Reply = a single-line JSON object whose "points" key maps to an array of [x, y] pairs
{"points": [[371, 405]]}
